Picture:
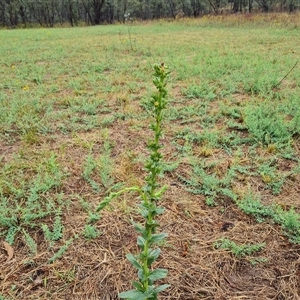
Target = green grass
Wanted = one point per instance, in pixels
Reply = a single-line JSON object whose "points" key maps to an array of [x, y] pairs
{"points": [[74, 122]]}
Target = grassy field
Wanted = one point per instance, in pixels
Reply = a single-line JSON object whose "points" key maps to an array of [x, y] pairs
{"points": [[74, 126]]}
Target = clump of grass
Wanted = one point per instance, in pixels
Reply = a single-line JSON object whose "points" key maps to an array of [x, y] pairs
{"points": [[150, 194]]}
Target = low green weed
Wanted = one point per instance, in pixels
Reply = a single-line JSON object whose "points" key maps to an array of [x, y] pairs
{"points": [[91, 232], [24, 203], [88, 170], [102, 167], [193, 111], [209, 184], [66, 276], [57, 232], [207, 138], [251, 204], [273, 179], [238, 250], [170, 167], [108, 120], [61, 251], [289, 220], [266, 125], [184, 147], [258, 260], [106, 163], [92, 216], [204, 92]]}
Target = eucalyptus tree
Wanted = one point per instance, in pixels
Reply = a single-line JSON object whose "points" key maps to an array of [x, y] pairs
{"points": [[9, 12], [216, 5], [43, 11], [93, 10], [173, 7], [197, 7], [125, 9], [71, 11], [265, 5]]}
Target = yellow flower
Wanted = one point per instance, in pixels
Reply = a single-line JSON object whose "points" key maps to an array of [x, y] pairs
{"points": [[26, 88], [13, 66]]}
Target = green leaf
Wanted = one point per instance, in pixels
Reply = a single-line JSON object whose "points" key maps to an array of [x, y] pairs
{"points": [[158, 237], [159, 210], [162, 288], [153, 255], [141, 241], [105, 202], [158, 274], [159, 193], [138, 286], [141, 275], [138, 227], [133, 295], [133, 260]]}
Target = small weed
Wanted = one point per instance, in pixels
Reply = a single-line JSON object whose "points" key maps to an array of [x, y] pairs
{"points": [[106, 164], [170, 167], [91, 232], [273, 179], [267, 125], [289, 220], [30, 242], [210, 201], [92, 216], [238, 250], [57, 232], [61, 251], [202, 91], [66, 276], [107, 121], [23, 203], [252, 205], [89, 167], [258, 260], [101, 167], [31, 136], [209, 185]]}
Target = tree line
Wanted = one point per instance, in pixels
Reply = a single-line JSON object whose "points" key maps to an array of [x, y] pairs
{"points": [[47, 13]]}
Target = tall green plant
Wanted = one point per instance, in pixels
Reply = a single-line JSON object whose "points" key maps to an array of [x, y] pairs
{"points": [[150, 194]]}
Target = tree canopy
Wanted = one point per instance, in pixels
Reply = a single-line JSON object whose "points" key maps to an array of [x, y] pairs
{"points": [[47, 13]]}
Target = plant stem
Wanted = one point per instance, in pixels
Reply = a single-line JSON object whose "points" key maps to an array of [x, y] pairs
{"points": [[145, 288]]}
